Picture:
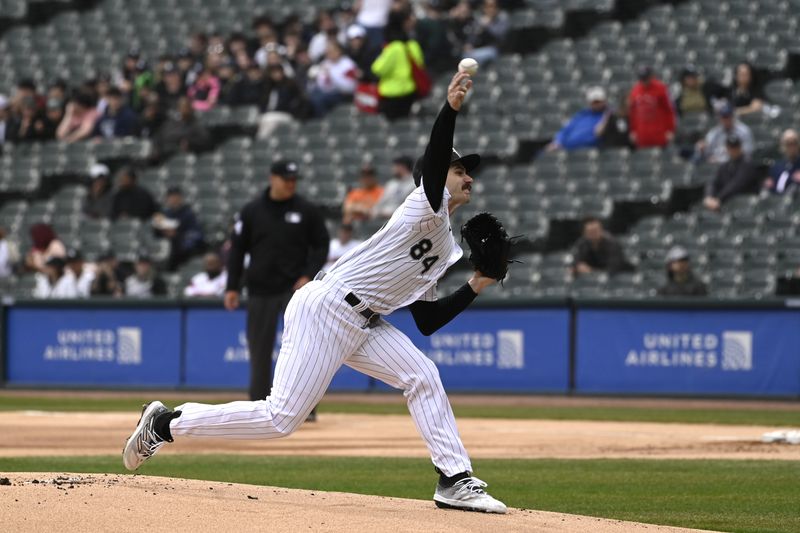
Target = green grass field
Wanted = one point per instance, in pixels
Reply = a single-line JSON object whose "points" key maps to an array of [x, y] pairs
{"points": [[746, 496], [623, 413]]}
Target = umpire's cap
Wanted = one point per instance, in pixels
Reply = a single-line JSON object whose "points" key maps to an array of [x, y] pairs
{"points": [[470, 162], [285, 169]]}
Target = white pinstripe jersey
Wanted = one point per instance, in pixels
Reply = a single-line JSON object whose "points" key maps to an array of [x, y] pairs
{"points": [[402, 261]]}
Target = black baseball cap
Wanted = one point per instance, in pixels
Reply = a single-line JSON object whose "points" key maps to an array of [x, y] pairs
{"points": [[733, 140], [470, 162], [74, 256], [56, 262], [285, 169]]}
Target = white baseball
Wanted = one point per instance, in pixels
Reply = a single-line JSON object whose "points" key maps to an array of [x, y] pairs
{"points": [[468, 65]]}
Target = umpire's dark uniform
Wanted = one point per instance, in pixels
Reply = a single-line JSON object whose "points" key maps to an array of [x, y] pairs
{"points": [[287, 240]]}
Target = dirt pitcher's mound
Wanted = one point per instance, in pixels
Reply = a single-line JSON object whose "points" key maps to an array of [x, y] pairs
{"points": [[107, 502]]}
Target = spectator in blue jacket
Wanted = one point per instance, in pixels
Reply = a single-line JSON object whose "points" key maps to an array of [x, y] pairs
{"points": [[785, 173], [585, 129], [178, 223], [118, 120]]}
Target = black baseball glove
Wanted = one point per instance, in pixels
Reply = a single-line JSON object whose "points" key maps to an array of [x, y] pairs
{"points": [[489, 245]]}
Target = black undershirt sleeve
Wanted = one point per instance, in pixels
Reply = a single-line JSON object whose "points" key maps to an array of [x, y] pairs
{"points": [[436, 161], [430, 316]]}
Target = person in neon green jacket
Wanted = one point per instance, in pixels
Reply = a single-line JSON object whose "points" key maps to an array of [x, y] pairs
{"points": [[392, 67]]}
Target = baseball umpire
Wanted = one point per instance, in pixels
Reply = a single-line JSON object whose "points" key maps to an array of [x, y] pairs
{"points": [[337, 319], [287, 241]]}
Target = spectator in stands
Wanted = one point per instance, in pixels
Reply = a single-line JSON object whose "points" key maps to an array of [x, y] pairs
{"points": [[204, 92], [486, 33], [361, 52], [713, 147], [692, 96], [171, 88], [145, 281], [25, 90], [283, 103], [100, 198], [265, 36], [680, 279], [211, 281], [335, 81], [100, 88], [785, 173], [359, 202], [736, 176], [53, 282], [189, 65], [596, 251], [45, 246], [4, 120], [131, 200], [396, 85], [28, 126], [109, 277], [182, 132], [373, 16], [53, 115], [650, 115], [587, 127], [152, 117], [326, 30], [82, 274], [227, 80], [178, 223], [79, 119], [118, 120], [126, 77], [341, 244], [9, 255], [746, 93], [398, 188], [250, 87]]}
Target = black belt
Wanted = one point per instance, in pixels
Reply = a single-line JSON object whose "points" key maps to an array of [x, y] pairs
{"points": [[373, 318]]}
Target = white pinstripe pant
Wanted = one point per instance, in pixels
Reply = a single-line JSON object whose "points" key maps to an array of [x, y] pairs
{"points": [[322, 332]]}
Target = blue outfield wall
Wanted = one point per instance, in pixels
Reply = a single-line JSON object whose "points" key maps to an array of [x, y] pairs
{"points": [[103, 347], [693, 352], [664, 348]]}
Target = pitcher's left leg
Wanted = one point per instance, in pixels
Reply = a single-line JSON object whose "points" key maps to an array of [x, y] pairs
{"points": [[390, 356]]}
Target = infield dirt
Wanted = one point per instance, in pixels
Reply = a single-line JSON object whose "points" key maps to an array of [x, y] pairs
{"points": [[38, 433]]}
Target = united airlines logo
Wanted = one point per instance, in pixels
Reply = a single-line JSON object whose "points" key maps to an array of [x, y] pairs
{"points": [[122, 346], [730, 351], [504, 349], [510, 349], [737, 350], [129, 346]]}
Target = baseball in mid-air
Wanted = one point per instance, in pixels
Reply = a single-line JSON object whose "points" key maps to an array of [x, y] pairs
{"points": [[468, 65]]}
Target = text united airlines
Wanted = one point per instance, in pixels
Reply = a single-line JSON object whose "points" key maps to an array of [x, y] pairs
{"points": [[474, 349], [82, 345], [676, 349]]}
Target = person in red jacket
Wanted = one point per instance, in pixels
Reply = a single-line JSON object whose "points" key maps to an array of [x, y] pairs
{"points": [[651, 116]]}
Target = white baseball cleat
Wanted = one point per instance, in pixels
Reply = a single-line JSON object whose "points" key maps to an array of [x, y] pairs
{"points": [[793, 437], [143, 442], [774, 436], [468, 495]]}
